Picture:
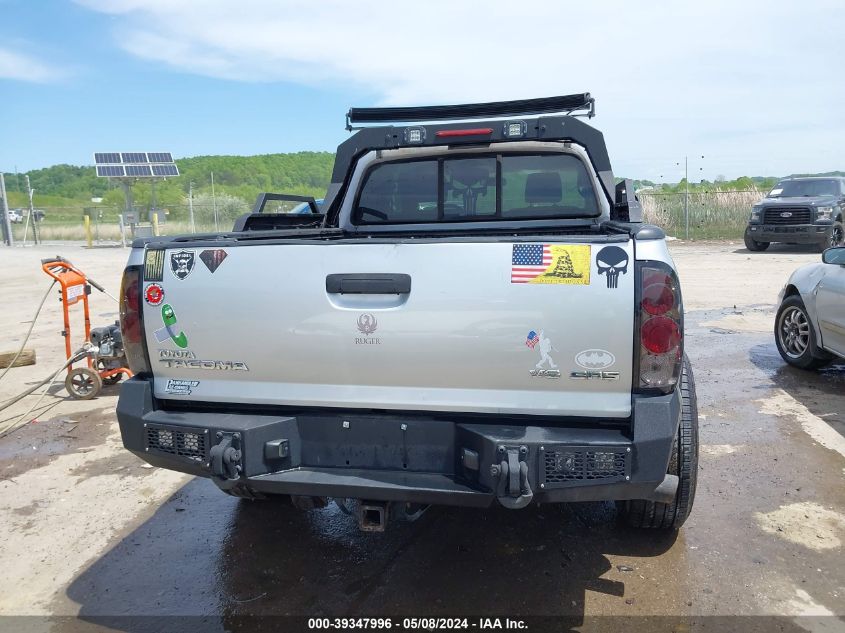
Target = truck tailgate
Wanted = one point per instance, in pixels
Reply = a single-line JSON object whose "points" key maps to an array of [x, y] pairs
{"points": [[488, 327]]}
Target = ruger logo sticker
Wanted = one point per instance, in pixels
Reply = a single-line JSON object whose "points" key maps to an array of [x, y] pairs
{"points": [[367, 324], [169, 331], [182, 263], [612, 261], [544, 346], [154, 266], [551, 264], [213, 258], [154, 294], [594, 359]]}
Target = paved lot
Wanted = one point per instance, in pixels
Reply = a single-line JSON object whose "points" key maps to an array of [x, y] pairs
{"points": [[89, 530]]}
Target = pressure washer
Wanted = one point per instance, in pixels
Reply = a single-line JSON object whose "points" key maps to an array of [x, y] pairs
{"points": [[103, 352]]}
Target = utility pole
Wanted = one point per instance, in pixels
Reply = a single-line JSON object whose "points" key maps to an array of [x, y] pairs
{"points": [[7, 225], [214, 202], [191, 205], [686, 196], [30, 215]]}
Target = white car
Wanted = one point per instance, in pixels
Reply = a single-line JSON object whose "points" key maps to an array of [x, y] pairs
{"points": [[15, 216], [810, 322]]}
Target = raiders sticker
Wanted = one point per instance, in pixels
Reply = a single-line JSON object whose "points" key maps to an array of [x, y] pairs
{"points": [[213, 258], [154, 294], [154, 266], [551, 264], [180, 387], [182, 263], [612, 261]]}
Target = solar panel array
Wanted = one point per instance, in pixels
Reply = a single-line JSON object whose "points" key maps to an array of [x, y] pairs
{"points": [[135, 165]]}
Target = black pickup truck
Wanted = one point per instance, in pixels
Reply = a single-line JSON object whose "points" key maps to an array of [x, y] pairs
{"points": [[799, 211]]}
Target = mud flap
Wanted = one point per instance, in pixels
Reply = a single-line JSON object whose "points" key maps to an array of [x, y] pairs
{"points": [[513, 490]]}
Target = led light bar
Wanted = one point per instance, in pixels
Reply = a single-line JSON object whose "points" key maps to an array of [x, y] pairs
{"points": [[545, 105], [478, 131]]}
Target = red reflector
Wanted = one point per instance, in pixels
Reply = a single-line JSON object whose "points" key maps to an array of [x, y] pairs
{"points": [[658, 299], [660, 335], [477, 131]]}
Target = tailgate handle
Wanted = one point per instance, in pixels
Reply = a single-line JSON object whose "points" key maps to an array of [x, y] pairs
{"points": [[368, 283]]}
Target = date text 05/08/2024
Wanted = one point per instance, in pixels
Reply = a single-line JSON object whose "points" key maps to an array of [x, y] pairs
{"points": [[412, 624]]}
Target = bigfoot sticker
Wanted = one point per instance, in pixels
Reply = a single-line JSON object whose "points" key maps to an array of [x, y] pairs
{"points": [[546, 367], [612, 261]]}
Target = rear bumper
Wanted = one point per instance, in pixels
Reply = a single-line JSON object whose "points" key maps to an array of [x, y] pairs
{"points": [[404, 457], [795, 233]]}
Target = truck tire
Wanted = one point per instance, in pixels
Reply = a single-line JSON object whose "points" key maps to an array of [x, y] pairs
{"points": [[683, 463], [795, 337], [753, 245], [835, 237]]}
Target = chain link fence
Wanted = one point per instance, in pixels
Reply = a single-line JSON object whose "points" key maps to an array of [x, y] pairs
{"points": [[52, 223], [712, 214]]}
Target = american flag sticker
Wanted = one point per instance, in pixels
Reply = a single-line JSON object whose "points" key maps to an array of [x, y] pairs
{"points": [[551, 264], [532, 339]]}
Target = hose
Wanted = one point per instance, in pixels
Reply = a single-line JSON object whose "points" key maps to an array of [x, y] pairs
{"points": [[31, 325], [5, 429]]}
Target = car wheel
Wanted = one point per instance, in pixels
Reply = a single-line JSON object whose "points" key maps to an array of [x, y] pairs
{"points": [[836, 237], [795, 337], [683, 463], [753, 245]]}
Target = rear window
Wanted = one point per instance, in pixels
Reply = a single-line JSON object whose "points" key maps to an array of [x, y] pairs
{"points": [[500, 187]]}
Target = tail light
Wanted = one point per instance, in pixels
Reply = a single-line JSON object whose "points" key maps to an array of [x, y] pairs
{"points": [[131, 321], [661, 330]]}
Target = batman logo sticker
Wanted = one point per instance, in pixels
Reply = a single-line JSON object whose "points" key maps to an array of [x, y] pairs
{"points": [[595, 359]]}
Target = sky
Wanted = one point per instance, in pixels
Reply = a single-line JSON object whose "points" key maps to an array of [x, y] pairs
{"points": [[741, 88]]}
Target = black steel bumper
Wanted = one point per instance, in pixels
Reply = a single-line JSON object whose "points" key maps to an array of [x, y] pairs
{"points": [[417, 458], [793, 233]]}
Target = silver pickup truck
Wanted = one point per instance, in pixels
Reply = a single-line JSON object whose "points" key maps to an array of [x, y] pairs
{"points": [[476, 315]]}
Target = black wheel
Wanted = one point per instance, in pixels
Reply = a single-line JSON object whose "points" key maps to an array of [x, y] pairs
{"points": [[83, 383], [836, 236], [795, 337], [753, 245], [683, 463]]}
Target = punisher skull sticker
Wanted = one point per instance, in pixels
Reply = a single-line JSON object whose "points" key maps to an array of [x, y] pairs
{"points": [[611, 262], [182, 263]]}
